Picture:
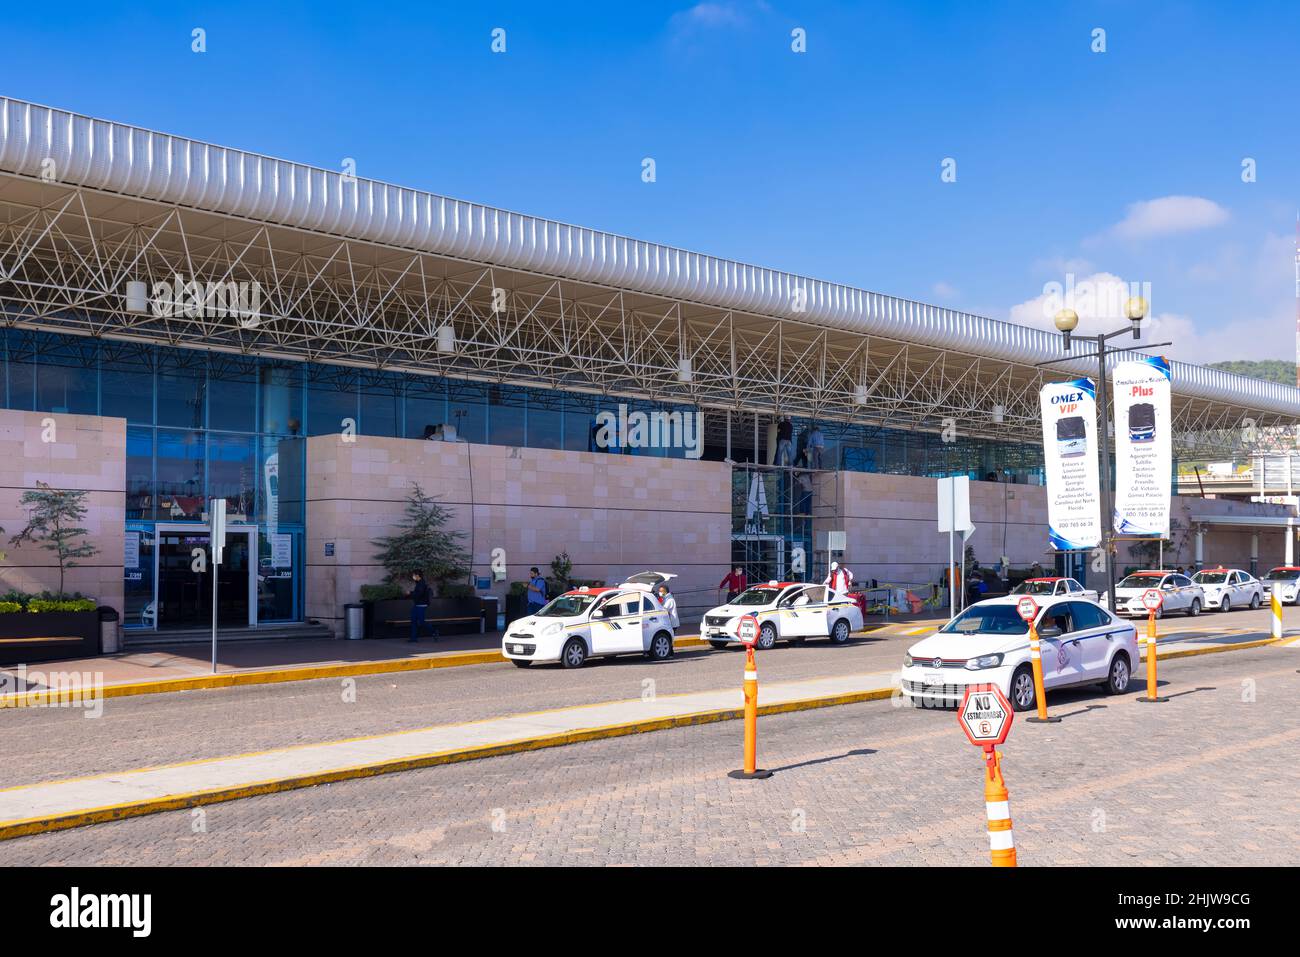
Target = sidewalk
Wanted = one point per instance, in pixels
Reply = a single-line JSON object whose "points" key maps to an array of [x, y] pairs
{"points": [[56, 805]]}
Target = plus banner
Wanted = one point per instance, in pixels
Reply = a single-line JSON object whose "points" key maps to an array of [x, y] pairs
{"points": [[1143, 447], [1070, 457]]}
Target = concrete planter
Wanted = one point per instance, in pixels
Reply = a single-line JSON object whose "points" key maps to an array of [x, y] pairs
{"points": [[390, 618], [27, 637]]}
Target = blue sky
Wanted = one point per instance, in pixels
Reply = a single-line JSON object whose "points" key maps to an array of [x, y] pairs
{"points": [[1116, 167]]}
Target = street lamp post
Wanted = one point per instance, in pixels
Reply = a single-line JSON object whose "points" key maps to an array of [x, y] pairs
{"points": [[1067, 320]]}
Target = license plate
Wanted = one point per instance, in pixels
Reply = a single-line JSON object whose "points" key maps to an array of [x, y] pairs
{"points": [[717, 634], [932, 678], [518, 649]]}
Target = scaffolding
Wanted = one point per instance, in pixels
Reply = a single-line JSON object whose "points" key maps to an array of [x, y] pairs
{"points": [[780, 519]]}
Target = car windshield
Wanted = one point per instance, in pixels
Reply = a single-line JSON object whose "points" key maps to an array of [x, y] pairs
{"points": [[756, 596], [1283, 575], [1141, 581], [1034, 588], [1210, 578], [568, 606], [987, 620]]}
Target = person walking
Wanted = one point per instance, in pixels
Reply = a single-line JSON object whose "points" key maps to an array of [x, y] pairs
{"points": [[734, 583], [536, 591], [670, 606], [838, 582], [419, 604]]}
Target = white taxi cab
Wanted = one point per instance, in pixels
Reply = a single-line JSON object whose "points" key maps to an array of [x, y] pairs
{"points": [[1180, 593], [1080, 642], [1229, 588], [786, 611], [1285, 580], [1054, 586], [592, 622]]}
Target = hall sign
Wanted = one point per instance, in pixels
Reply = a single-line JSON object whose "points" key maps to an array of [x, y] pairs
{"points": [[1143, 447], [1070, 461]]}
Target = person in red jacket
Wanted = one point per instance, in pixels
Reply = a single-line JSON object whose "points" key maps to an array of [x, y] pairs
{"points": [[734, 583]]}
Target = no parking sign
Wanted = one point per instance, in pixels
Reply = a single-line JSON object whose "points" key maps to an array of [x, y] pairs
{"points": [[747, 630]]}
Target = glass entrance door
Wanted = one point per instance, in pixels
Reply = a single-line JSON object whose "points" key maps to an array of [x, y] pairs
{"points": [[185, 593]]}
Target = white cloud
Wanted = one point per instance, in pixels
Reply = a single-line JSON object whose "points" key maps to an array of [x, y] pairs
{"points": [[706, 15], [944, 290], [1169, 215]]}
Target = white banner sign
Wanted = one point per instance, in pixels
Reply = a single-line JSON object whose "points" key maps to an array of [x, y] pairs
{"points": [[131, 550], [281, 550], [1070, 457], [1143, 448]]}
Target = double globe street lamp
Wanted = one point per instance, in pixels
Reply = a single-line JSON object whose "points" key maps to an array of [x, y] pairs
{"points": [[1067, 320]]}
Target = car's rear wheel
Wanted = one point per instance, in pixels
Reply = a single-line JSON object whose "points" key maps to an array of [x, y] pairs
{"points": [[1022, 689], [1255, 601], [840, 633], [574, 654], [1117, 680], [1225, 604], [767, 636], [661, 647], [520, 662], [717, 645], [1194, 608]]}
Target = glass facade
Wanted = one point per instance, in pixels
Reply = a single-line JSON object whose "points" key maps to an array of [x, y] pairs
{"points": [[204, 424]]}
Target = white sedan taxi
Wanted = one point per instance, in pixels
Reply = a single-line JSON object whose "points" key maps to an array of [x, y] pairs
{"points": [[786, 611], [1052, 586], [1080, 642], [1285, 580], [1180, 593], [592, 622], [1229, 588]]}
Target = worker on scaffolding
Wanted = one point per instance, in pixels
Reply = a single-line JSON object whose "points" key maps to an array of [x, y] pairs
{"points": [[838, 583]]}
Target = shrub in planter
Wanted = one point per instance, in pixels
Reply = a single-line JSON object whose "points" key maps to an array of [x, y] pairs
{"points": [[456, 590], [388, 591], [38, 605], [9, 607]]}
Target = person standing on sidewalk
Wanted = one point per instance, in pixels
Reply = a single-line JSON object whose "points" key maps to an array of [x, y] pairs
{"points": [[419, 604], [838, 582], [536, 591], [670, 606], [734, 583]]}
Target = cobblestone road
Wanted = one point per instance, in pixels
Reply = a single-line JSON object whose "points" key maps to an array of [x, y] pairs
{"points": [[1210, 778]]}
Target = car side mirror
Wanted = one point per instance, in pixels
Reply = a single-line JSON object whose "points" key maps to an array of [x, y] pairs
{"points": [[598, 613], [1049, 631]]}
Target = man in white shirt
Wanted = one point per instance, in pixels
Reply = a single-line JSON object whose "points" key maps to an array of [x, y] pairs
{"points": [[838, 582], [670, 605]]}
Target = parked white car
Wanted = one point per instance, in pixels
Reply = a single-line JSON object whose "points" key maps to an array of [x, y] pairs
{"points": [[592, 622], [1229, 588], [1286, 579], [790, 611], [1180, 593], [1054, 587], [1080, 642]]}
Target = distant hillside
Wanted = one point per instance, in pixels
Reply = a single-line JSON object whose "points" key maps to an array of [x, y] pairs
{"points": [[1270, 370]]}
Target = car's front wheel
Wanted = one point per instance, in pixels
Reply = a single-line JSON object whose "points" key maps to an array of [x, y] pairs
{"points": [[1119, 676], [1022, 689], [574, 654], [767, 636], [840, 633], [661, 647], [1194, 608], [1225, 604]]}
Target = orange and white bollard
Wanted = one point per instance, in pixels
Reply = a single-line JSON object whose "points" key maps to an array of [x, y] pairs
{"points": [[1040, 696], [1152, 694], [751, 769], [997, 804]]}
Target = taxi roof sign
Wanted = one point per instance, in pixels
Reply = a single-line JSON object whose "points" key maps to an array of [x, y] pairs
{"points": [[1152, 599], [1027, 607], [747, 630], [985, 715]]}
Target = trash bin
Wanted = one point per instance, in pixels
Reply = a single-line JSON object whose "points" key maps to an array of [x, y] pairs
{"points": [[354, 621], [109, 642]]}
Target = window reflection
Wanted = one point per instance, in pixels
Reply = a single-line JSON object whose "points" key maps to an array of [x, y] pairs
{"points": [[180, 475]]}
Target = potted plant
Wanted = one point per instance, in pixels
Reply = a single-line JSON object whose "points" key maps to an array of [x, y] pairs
{"points": [[421, 543]]}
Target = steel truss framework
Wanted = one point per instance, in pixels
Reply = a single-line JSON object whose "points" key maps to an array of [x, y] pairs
{"points": [[67, 253]]}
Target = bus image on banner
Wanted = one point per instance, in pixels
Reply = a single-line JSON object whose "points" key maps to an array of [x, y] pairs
{"points": [[1071, 437], [1142, 422]]}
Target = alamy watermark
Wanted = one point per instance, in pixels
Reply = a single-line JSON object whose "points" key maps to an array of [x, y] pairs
{"points": [[211, 300], [54, 689], [651, 430]]}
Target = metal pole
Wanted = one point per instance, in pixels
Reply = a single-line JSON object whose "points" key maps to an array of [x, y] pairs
{"points": [[212, 541], [1107, 509], [952, 523]]}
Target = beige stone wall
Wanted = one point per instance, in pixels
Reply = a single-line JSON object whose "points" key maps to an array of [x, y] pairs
{"points": [[88, 452], [613, 514]]}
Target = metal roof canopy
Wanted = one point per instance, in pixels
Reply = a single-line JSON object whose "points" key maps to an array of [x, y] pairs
{"points": [[363, 274]]}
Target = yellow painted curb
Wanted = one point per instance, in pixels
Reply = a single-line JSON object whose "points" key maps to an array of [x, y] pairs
{"points": [[1214, 649], [173, 802]]}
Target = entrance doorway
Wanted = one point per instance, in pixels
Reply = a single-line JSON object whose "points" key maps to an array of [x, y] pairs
{"points": [[185, 595]]}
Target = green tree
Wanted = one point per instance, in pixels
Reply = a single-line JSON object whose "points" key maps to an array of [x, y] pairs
{"points": [[422, 544], [53, 523]]}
